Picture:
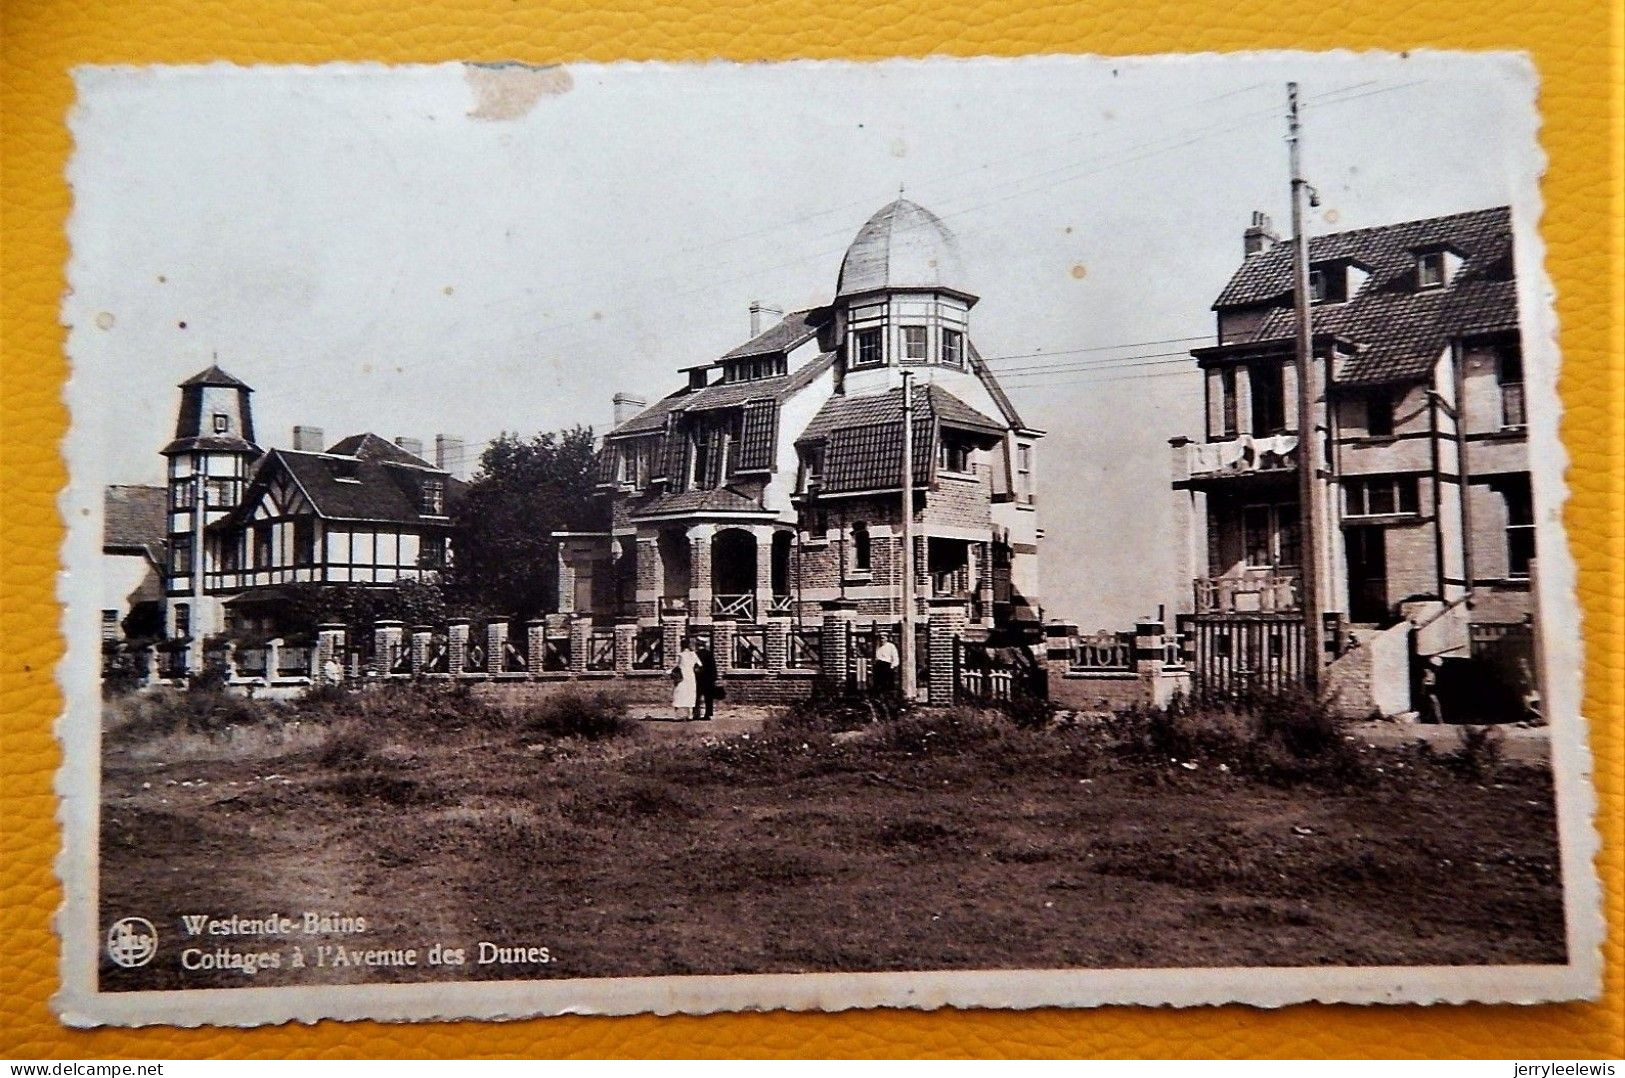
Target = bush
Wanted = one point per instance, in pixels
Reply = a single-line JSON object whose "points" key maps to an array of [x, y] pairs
{"points": [[1478, 753], [423, 705], [572, 712], [832, 713]]}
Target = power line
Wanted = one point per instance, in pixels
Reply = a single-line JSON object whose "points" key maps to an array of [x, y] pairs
{"points": [[1150, 358], [1093, 348]]}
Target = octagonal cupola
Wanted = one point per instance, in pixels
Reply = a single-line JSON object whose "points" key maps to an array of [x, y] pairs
{"points": [[903, 293]]}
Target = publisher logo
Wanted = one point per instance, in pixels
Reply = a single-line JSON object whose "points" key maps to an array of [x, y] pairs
{"points": [[132, 942]]}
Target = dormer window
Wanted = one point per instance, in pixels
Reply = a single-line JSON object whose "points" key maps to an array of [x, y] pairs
{"points": [[812, 469], [1430, 270], [432, 498], [953, 455], [1317, 286], [222, 423]]}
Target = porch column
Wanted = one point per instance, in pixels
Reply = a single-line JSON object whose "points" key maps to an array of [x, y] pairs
{"points": [[984, 579], [567, 583], [763, 534], [699, 570], [651, 576]]}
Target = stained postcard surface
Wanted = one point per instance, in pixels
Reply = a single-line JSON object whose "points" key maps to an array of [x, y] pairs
{"points": [[602, 539]]}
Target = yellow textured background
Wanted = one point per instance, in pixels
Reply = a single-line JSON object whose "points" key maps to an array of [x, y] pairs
{"points": [[1576, 45]]}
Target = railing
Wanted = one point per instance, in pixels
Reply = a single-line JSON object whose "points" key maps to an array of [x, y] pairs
{"points": [[1512, 408], [1250, 594], [1242, 455], [750, 649], [742, 607], [781, 604], [649, 649], [515, 658], [1103, 652], [556, 653], [601, 651], [804, 649]]}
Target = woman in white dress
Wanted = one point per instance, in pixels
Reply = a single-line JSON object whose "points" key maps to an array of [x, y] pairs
{"points": [[686, 690]]}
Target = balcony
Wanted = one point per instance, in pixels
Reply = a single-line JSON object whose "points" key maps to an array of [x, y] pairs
{"points": [[1242, 456], [1254, 593]]}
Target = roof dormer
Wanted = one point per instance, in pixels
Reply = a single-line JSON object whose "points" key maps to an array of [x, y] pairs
{"points": [[1336, 280], [1436, 265]]}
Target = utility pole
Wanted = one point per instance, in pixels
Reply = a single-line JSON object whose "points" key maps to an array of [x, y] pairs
{"points": [[1311, 550], [905, 645]]}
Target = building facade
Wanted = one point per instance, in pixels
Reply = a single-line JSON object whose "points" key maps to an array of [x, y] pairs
{"points": [[1427, 495], [243, 522], [771, 482]]}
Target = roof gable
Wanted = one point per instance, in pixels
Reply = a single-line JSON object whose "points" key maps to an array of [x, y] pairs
{"points": [[135, 519]]}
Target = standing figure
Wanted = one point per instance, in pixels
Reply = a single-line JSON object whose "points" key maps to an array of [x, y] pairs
{"points": [[685, 682], [706, 676], [887, 661]]}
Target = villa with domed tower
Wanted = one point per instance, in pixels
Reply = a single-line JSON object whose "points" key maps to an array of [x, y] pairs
{"points": [[768, 486]]}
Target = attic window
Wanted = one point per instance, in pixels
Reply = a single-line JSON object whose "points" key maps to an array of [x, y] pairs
{"points": [[432, 498], [347, 470], [222, 422], [1317, 286], [1430, 270]]}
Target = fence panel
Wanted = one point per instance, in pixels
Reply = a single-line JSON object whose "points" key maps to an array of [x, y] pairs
{"points": [[750, 648], [804, 649], [601, 651], [649, 648]]}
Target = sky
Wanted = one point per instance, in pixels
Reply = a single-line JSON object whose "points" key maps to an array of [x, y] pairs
{"points": [[467, 250]]}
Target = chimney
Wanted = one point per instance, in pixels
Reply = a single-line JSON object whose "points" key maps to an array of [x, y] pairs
{"points": [[308, 439], [451, 455], [1260, 235], [757, 309], [627, 406], [413, 446]]}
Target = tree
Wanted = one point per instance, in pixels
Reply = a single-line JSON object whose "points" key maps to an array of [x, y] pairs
{"points": [[506, 559]]}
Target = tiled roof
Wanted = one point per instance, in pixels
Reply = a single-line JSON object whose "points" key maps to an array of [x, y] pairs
{"points": [[797, 328], [1398, 330], [344, 487], [854, 410], [721, 500], [724, 395], [863, 436], [214, 376], [134, 519], [371, 447]]}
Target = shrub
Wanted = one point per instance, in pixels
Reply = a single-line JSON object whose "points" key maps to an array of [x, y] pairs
{"points": [[426, 705], [572, 712], [831, 713], [1478, 753], [348, 747]]}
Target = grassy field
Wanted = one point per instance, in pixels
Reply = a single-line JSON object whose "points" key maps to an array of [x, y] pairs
{"points": [[942, 841]]}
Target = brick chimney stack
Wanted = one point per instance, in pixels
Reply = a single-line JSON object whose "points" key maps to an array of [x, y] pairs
{"points": [[627, 406], [308, 439], [1260, 235], [451, 455], [413, 446], [757, 310]]}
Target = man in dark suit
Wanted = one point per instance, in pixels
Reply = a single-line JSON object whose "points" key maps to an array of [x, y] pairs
{"points": [[706, 678]]}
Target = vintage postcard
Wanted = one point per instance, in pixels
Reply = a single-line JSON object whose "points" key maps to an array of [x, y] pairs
{"points": [[679, 538]]}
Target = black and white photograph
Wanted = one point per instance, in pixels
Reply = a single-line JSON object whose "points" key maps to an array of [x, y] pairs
{"points": [[651, 537]]}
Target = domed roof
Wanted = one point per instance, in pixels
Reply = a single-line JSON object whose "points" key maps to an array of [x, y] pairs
{"points": [[904, 245]]}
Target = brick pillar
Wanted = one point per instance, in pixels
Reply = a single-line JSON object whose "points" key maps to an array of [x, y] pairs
{"points": [[422, 635], [496, 639], [273, 658], [457, 631], [626, 635], [535, 644], [837, 662], [580, 630], [386, 640], [764, 569], [722, 644], [984, 580], [699, 570], [567, 583], [1148, 659], [671, 639], [778, 645], [330, 641], [651, 576], [946, 625]]}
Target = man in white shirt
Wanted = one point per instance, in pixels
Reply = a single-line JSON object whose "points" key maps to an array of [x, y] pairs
{"points": [[887, 661]]}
